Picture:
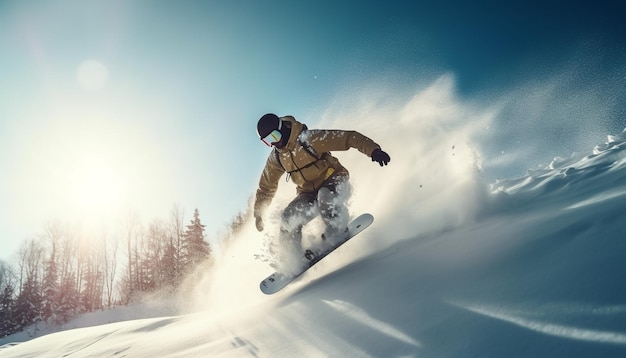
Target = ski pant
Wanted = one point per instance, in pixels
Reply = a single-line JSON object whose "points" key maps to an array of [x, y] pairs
{"points": [[329, 202]]}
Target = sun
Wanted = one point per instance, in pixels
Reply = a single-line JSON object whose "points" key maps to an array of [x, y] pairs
{"points": [[85, 160], [97, 188], [89, 157]]}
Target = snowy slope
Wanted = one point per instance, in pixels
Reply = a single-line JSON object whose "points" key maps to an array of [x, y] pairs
{"points": [[539, 272]]}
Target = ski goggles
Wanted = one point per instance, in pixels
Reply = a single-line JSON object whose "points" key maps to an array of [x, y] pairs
{"points": [[274, 136]]}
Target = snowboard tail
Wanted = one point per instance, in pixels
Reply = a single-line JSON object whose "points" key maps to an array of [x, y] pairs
{"points": [[277, 281]]}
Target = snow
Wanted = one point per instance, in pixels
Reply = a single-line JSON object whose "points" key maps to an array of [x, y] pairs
{"points": [[530, 267]]}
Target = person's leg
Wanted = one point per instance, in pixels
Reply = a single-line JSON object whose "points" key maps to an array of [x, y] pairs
{"points": [[298, 213], [332, 200]]}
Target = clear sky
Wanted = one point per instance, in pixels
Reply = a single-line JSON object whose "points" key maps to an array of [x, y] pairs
{"points": [[114, 106]]}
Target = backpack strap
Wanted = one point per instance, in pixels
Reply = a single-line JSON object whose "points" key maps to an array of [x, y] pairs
{"points": [[307, 148], [278, 159]]}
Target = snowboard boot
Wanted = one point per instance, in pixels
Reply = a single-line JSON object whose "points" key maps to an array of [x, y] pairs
{"points": [[331, 237]]}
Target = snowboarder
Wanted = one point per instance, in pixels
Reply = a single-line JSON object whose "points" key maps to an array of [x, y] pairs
{"points": [[322, 182]]}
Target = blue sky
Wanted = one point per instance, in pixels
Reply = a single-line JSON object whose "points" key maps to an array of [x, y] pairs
{"points": [[169, 115]]}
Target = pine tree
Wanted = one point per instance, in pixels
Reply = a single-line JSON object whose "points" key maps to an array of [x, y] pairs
{"points": [[69, 299], [28, 304], [7, 306], [170, 267], [237, 224], [51, 291], [195, 248]]}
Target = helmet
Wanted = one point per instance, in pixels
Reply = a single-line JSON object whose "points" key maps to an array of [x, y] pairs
{"points": [[267, 124], [269, 129]]}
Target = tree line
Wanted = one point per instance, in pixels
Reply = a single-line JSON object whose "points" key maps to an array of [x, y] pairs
{"points": [[64, 271]]}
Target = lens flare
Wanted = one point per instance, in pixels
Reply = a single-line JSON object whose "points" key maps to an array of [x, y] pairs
{"points": [[92, 75]]}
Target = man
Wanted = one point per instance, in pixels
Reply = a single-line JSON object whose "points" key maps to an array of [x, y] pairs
{"points": [[322, 182]]}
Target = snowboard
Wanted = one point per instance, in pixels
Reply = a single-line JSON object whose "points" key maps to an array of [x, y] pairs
{"points": [[277, 281]]}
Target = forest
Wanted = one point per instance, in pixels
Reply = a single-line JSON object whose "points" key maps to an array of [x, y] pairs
{"points": [[66, 270]]}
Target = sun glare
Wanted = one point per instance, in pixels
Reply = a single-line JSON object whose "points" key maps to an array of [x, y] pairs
{"points": [[89, 157], [75, 168], [96, 189]]}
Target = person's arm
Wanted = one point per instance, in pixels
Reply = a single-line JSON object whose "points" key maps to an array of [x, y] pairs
{"points": [[268, 183], [333, 140]]}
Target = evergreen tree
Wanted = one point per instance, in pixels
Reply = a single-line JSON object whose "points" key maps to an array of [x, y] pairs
{"points": [[237, 224], [28, 304], [69, 299], [51, 291], [170, 267], [195, 248], [7, 306]]}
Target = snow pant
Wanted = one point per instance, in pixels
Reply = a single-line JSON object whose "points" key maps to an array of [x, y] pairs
{"points": [[329, 201]]}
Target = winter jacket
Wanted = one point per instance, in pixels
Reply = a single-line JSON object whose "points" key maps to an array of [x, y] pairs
{"points": [[307, 160]]}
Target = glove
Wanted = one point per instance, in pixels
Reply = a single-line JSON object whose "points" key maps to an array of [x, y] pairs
{"points": [[381, 157], [259, 223]]}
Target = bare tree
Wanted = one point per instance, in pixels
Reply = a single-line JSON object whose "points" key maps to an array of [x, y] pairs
{"points": [[177, 228], [5, 274], [109, 251], [31, 258], [131, 230]]}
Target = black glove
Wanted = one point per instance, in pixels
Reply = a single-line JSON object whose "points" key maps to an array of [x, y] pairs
{"points": [[259, 223], [381, 157]]}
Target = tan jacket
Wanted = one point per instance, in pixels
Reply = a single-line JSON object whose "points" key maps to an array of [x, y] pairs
{"points": [[307, 159]]}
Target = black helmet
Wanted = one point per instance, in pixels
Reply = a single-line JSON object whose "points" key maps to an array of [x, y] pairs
{"points": [[267, 124]]}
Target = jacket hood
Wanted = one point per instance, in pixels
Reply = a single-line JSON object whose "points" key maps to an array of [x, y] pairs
{"points": [[296, 129]]}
